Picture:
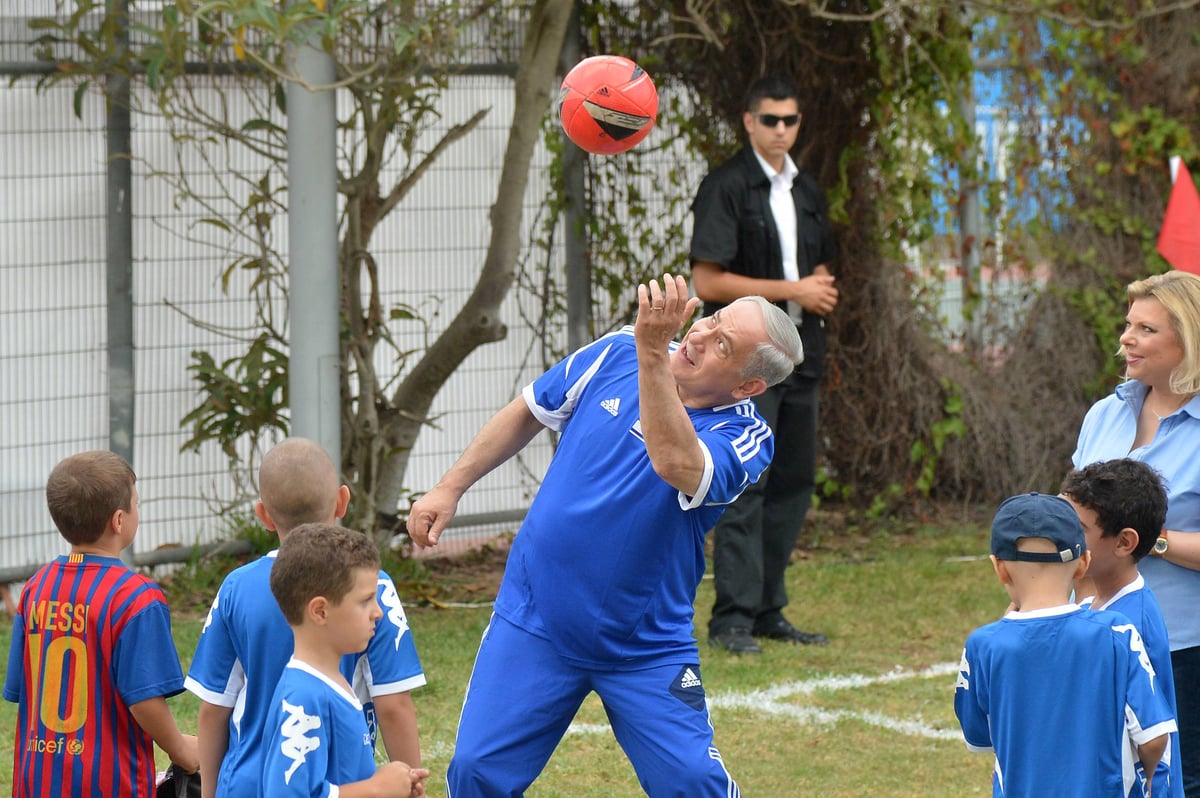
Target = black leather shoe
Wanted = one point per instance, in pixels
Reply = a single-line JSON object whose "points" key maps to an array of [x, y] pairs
{"points": [[782, 630], [735, 640]]}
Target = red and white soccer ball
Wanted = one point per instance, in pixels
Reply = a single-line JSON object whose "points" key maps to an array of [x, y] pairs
{"points": [[607, 104]]}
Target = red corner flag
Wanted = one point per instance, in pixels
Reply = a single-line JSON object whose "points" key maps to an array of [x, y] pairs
{"points": [[1179, 239]]}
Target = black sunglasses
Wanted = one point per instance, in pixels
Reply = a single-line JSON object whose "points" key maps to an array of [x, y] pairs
{"points": [[771, 120]]}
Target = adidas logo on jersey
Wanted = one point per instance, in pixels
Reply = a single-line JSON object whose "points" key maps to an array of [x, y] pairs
{"points": [[689, 679], [611, 405]]}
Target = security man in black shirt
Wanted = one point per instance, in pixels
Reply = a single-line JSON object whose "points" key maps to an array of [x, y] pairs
{"points": [[761, 227]]}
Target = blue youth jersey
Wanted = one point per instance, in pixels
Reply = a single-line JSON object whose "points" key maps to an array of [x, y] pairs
{"points": [[91, 638], [1137, 603], [1058, 695], [607, 562], [245, 645], [317, 737], [389, 664]]}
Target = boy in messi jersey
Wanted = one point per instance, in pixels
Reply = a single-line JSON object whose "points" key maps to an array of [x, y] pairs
{"points": [[657, 438], [317, 742], [1122, 505], [246, 642], [92, 660], [1057, 692]]}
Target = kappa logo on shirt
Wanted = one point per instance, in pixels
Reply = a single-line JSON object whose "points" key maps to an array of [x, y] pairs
{"points": [[1137, 647], [611, 405], [687, 686], [211, 611], [296, 746], [393, 609]]}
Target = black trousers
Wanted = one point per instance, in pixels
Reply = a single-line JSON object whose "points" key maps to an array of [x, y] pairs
{"points": [[1185, 666], [755, 537]]}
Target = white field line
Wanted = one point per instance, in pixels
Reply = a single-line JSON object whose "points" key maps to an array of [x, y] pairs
{"points": [[769, 701], [436, 751]]}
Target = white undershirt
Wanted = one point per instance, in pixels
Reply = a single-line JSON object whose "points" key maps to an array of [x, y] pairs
{"points": [[783, 208]]}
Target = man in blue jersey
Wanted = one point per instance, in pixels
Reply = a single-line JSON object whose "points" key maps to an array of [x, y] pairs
{"points": [[656, 439], [246, 642], [1122, 505], [1058, 693]]}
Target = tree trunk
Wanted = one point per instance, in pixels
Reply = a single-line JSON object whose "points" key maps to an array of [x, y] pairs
{"points": [[478, 322]]}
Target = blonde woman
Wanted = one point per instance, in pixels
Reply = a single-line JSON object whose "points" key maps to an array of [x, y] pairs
{"points": [[1154, 416]]}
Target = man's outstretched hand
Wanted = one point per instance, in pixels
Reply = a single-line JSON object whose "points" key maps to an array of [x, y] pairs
{"points": [[662, 311]]}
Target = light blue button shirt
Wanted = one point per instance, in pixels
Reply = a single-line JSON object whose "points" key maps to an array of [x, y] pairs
{"points": [[1107, 434]]}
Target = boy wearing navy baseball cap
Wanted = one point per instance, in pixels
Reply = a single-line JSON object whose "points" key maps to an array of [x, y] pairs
{"points": [[1060, 694]]}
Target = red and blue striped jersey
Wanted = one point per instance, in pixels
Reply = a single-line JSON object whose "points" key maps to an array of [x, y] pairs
{"points": [[91, 638]]}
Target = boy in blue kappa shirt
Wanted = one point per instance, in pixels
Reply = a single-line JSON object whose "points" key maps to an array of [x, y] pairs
{"points": [[1122, 505], [1065, 697], [246, 641], [317, 744], [657, 438]]}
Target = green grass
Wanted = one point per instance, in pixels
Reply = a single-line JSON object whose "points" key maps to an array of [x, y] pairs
{"points": [[891, 604]]}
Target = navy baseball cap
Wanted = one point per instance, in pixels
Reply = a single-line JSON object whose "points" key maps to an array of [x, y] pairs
{"points": [[1036, 515]]}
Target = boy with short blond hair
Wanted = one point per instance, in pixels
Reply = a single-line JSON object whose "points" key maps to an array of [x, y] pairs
{"points": [[324, 581], [1122, 506], [92, 660], [1055, 691]]}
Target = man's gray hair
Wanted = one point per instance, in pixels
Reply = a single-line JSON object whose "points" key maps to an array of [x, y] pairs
{"points": [[775, 359]]}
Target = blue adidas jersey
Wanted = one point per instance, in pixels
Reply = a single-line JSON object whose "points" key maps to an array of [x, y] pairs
{"points": [[1137, 603], [1058, 694], [317, 737], [245, 645], [608, 558]]}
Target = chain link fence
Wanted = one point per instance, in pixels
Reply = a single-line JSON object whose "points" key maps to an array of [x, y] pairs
{"points": [[54, 385]]}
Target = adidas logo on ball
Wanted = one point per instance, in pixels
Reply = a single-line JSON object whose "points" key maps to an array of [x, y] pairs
{"points": [[607, 104]]}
